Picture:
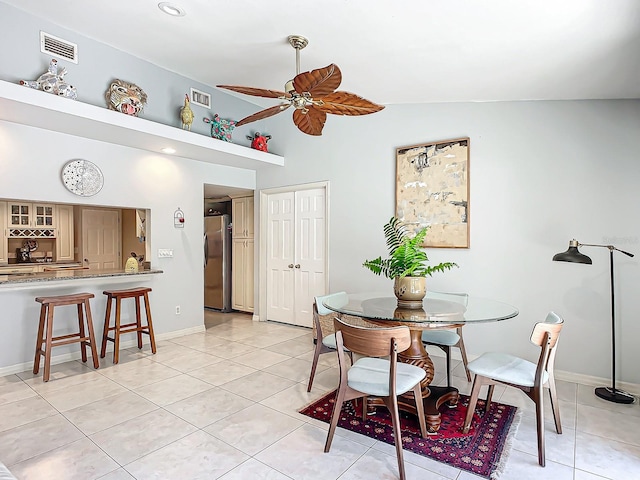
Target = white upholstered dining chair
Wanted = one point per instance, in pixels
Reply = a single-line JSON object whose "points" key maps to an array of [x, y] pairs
{"points": [[379, 377], [446, 338], [502, 368]]}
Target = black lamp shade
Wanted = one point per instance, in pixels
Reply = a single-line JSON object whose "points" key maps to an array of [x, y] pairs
{"points": [[572, 255]]}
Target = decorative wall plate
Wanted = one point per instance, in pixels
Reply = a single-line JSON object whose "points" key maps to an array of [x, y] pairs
{"points": [[82, 177]]}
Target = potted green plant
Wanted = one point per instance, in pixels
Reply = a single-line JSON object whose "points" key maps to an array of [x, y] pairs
{"points": [[407, 263]]}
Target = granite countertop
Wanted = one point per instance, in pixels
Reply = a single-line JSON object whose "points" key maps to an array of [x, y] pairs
{"points": [[63, 275]]}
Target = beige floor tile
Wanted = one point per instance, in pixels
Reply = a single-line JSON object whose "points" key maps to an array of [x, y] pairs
{"points": [[609, 424], [254, 470], [606, 457], [223, 372], [120, 474], [581, 475], [205, 408], [106, 413], [63, 375], [292, 399], [301, 454], [13, 388], [586, 396], [231, 350], [80, 460], [294, 347], [142, 435], [197, 456], [326, 380], [191, 361], [140, 373], [254, 428], [32, 439], [294, 369], [24, 411], [258, 386], [522, 466], [260, 359], [96, 388], [199, 341], [381, 466], [173, 389], [559, 448]]}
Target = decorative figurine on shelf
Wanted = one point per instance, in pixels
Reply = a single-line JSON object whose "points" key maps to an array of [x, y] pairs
{"points": [[221, 128], [132, 264], [259, 141], [186, 114], [53, 82], [125, 97]]}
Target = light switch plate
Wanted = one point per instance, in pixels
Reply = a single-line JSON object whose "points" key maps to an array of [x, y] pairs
{"points": [[165, 253]]}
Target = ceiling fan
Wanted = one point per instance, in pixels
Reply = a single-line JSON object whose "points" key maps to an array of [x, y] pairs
{"points": [[313, 94]]}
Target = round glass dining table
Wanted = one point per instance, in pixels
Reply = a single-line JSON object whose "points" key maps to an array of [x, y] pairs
{"points": [[439, 310]]}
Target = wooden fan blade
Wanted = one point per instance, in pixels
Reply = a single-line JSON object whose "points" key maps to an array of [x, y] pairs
{"points": [[267, 112], [345, 103], [256, 92], [319, 82], [311, 122]]}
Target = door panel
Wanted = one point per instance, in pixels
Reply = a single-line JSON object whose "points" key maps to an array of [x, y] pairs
{"points": [[101, 239]]}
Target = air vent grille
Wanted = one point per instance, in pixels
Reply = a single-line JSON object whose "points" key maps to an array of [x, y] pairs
{"points": [[58, 47]]}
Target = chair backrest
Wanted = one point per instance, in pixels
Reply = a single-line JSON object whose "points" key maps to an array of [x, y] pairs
{"points": [[462, 298], [545, 335], [339, 299], [373, 342], [324, 327]]}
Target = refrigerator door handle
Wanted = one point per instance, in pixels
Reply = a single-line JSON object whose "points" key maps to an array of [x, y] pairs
{"points": [[206, 250]]}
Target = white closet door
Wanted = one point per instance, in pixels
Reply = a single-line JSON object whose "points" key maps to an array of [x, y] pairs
{"points": [[280, 257]]}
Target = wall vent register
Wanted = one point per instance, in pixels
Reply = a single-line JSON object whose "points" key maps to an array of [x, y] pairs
{"points": [[58, 47]]}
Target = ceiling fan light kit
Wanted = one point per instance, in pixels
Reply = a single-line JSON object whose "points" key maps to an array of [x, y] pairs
{"points": [[312, 94]]}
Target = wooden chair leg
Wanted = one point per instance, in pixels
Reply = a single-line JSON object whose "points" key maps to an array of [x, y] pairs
{"points": [[147, 310], [447, 354], [83, 343], [48, 342], [40, 339], [473, 400], [138, 322], [463, 354], [538, 398], [392, 405], [487, 405], [417, 395], [335, 416], [92, 337], [105, 330], [116, 332], [314, 364], [555, 406]]}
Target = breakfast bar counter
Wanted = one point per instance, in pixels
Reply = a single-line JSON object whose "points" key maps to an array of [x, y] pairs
{"points": [[25, 279]]}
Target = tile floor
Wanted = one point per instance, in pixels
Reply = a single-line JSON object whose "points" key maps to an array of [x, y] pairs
{"points": [[223, 404]]}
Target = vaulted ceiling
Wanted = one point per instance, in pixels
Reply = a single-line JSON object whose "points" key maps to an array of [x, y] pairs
{"points": [[389, 51]]}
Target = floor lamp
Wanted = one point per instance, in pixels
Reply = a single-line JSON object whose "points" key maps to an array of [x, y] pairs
{"points": [[611, 394]]}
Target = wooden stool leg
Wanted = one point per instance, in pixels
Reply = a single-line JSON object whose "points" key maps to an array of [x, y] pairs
{"points": [[138, 322], [39, 340], [147, 309], [83, 343], [92, 337], [105, 330], [47, 353], [116, 336]]}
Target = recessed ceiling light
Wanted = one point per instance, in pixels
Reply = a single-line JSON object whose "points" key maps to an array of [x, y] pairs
{"points": [[168, 150], [172, 9]]}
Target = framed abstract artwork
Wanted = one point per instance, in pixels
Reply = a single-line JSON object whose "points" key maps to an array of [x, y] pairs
{"points": [[432, 188]]}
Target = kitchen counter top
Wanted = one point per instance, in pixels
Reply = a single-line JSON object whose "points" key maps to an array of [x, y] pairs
{"points": [[66, 275]]}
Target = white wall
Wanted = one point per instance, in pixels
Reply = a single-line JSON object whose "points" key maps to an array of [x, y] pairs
{"points": [[541, 174], [31, 160]]}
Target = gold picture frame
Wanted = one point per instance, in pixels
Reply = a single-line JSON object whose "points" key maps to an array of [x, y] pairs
{"points": [[432, 188]]}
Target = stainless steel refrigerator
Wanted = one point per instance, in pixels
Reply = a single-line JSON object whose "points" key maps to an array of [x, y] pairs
{"points": [[217, 263]]}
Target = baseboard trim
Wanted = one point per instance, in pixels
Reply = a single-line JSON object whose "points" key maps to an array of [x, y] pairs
{"points": [[67, 357]]}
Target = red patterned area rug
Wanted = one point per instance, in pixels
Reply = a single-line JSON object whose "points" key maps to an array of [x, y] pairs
{"points": [[482, 451]]}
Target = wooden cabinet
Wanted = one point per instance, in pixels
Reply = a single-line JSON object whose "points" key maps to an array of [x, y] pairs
{"points": [[64, 240], [30, 215], [20, 269], [3, 238], [242, 217], [242, 287]]}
